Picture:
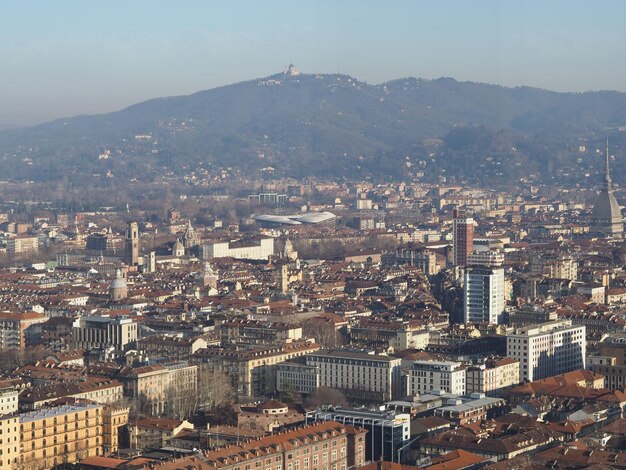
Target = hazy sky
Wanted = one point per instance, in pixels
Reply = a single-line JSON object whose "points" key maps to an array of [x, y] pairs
{"points": [[61, 58]]}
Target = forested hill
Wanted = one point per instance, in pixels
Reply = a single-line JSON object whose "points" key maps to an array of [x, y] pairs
{"points": [[325, 125]]}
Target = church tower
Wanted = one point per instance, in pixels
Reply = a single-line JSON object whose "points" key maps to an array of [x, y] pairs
{"points": [[132, 244], [607, 213]]}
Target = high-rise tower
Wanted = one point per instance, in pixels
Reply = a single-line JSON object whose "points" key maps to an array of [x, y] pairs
{"points": [[132, 244], [484, 288], [463, 238], [607, 213]]}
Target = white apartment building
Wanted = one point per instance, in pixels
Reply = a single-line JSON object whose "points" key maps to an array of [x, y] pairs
{"points": [[483, 294], [488, 258], [360, 375], [548, 349], [8, 400], [436, 375], [493, 377], [259, 251], [22, 244]]}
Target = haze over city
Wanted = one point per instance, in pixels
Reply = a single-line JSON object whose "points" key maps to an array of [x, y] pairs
{"points": [[66, 58]]}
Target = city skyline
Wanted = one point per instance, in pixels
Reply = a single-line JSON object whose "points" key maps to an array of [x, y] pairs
{"points": [[68, 58]]}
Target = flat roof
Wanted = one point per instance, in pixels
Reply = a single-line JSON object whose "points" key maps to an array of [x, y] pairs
{"points": [[44, 413]]}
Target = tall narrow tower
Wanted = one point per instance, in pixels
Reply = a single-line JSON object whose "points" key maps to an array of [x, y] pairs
{"points": [[463, 238], [283, 278], [607, 213], [132, 244]]}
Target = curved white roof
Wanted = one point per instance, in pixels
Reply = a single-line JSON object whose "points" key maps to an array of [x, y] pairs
{"points": [[276, 219], [315, 217], [299, 219]]}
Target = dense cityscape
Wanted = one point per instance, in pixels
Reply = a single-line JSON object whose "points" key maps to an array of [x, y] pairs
{"points": [[317, 324]]}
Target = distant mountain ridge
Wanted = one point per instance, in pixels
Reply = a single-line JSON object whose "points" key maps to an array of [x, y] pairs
{"points": [[323, 125]]}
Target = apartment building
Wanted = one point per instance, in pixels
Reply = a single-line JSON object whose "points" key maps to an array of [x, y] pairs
{"points": [[297, 377], [97, 390], [62, 434], [360, 375], [20, 329], [154, 384], [10, 443], [154, 433], [174, 348], [492, 377], [258, 332], [484, 298], [436, 375], [22, 244], [423, 259], [251, 368], [328, 445], [8, 399], [548, 349]]}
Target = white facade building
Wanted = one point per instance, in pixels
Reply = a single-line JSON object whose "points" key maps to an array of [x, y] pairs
{"points": [[483, 294], [104, 332], [361, 376], [436, 375], [548, 349], [261, 251], [489, 258]]}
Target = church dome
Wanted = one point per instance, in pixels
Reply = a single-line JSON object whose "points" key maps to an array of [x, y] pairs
{"points": [[119, 282]]}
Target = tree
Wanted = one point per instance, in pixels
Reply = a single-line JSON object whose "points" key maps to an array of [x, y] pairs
{"points": [[324, 332], [326, 396]]}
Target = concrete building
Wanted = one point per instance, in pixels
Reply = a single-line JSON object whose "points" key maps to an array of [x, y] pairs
{"points": [[360, 375], [548, 349], [436, 375], [483, 294], [387, 431], [103, 332]]}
